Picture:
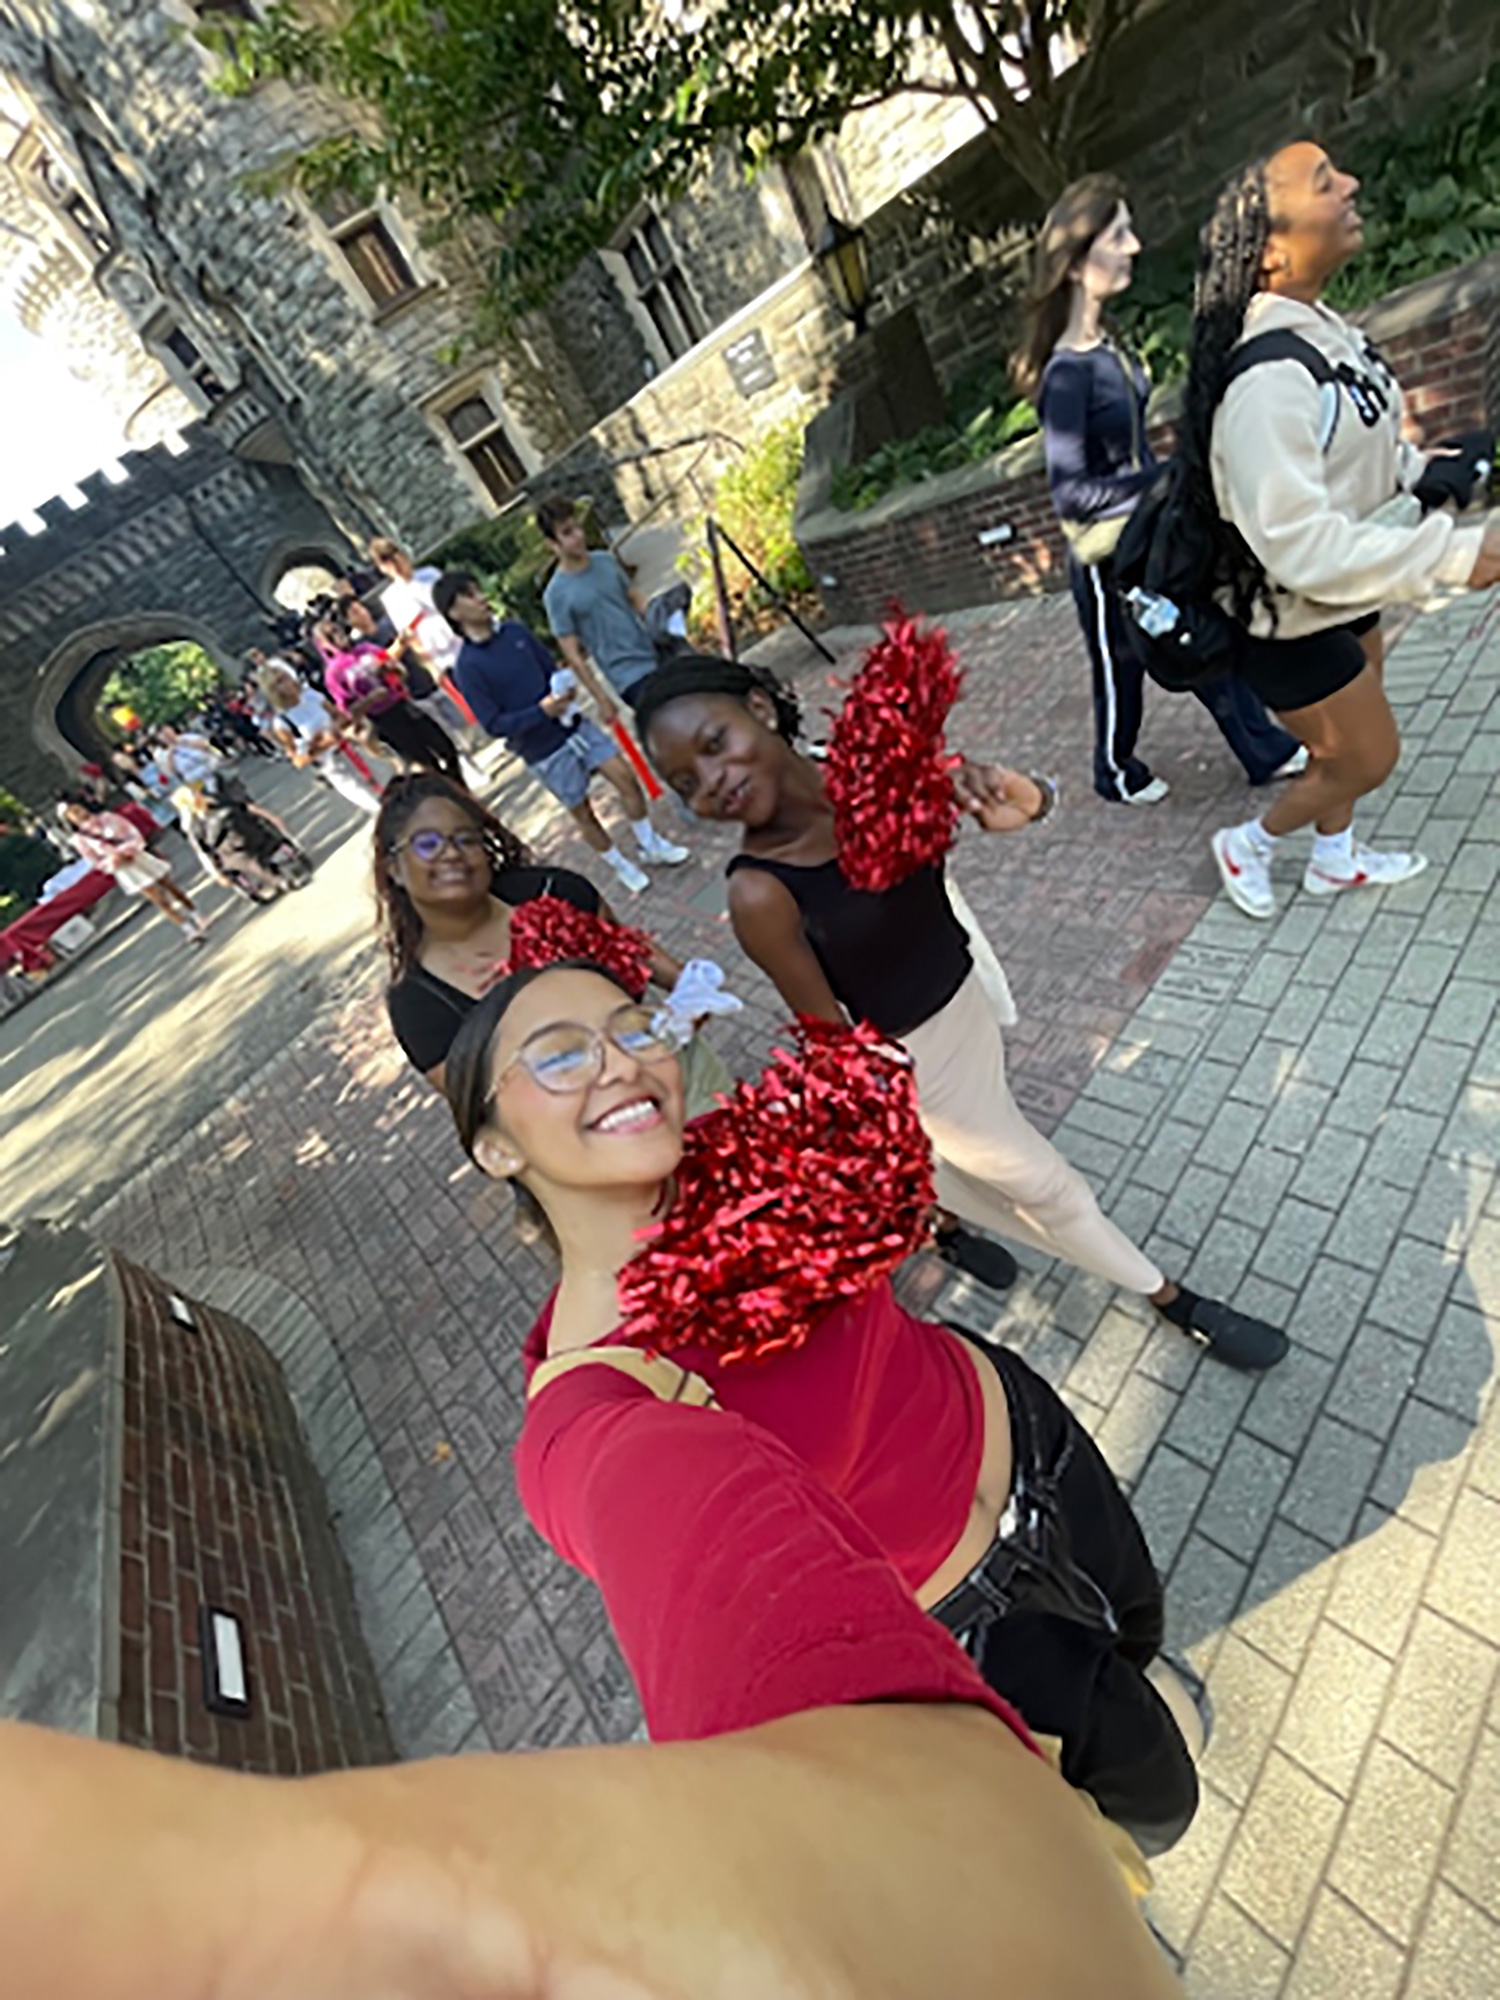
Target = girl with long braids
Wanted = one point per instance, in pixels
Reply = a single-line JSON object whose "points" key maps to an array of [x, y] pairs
{"points": [[449, 877], [724, 1351], [1296, 470], [1091, 394], [724, 736]]}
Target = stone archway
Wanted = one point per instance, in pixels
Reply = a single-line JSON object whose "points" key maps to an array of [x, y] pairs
{"points": [[91, 653], [292, 554]]}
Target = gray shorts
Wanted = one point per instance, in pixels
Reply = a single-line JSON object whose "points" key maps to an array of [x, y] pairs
{"points": [[566, 772]]}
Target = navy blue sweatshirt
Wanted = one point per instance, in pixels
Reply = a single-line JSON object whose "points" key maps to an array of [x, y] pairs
{"points": [[1093, 411], [503, 679]]}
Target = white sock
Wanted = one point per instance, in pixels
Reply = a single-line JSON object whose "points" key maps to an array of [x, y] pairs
{"points": [[1334, 850], [1264, 843], [644, 832], [616, 859]]}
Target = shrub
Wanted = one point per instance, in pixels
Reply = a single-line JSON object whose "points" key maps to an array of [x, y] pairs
{"points": [[755, 502]]}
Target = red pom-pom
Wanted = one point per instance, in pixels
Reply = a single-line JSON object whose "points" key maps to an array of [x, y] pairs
{"points": [[888, 774], [805, 1187], [549, 928]]}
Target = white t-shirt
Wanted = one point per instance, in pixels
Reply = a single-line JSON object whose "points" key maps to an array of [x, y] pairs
{"points": [[409, 607], [311, 715], [193, 758]]}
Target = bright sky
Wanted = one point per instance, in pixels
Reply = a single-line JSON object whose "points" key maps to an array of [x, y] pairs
{"points": [[53, 428]]}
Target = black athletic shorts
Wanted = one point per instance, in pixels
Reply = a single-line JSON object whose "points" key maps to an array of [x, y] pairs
{"points": [[1294, 673]]}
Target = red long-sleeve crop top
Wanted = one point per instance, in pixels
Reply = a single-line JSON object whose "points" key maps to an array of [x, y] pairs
{"points": [[760, 1559]]}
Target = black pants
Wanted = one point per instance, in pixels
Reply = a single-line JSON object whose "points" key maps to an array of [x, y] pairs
{"points": [[1065, 1613], [1261, 745], [419, 739]]}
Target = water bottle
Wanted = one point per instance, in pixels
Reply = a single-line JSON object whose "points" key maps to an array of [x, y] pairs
{"points": [[1157, 616]]}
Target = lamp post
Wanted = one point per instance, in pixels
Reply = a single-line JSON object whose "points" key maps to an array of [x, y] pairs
{"points": [[842, 255]]}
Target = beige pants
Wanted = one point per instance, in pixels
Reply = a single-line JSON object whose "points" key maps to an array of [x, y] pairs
{"points": [[992, 1167]]}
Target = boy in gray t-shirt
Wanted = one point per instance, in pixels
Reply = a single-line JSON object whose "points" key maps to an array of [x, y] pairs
{"points": [[593, 612]]}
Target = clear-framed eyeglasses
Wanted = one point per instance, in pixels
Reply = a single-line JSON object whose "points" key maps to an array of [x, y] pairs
{"points": [[567, 1056]]}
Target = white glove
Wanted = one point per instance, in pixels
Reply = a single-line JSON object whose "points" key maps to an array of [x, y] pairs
{"points": [[699, 992]]}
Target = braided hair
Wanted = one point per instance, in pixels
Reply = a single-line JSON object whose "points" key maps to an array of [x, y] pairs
{"points": [[710, 673], [1231, 270], [400, 926]]}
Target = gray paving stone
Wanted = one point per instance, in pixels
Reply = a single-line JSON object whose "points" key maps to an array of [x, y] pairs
{"points": [[1484, 1461], [1243, 1496], [1330, 1166], [1271, 977], [1184, 1878], [1473, 1131], [1123, 1092], [1334, 1707], [1458, 1955], [1194, 1203], [1423, 973], [1290, 1247], [1327, 958], [1221, 1259], [1295, 1116], [1237, 1030], [1458, 1368], [1228, 1137], [1263, 1073], [1326, 1054], [1136, 1420], [1464, 1583], [1287, 1399], [1475, 866], [1276, 1859], [1170, 1358], [1367, 1229], [1297, 1015], [1341, 1954], [1082, 1304], [1203, 1591], [1166, 1159], [1166, 1500], [1254, 1193], [1332, 1303], [1390, 1844], [1092, 1118], [1232, 1959], [1423, 1466], [1203, 1090], [1452, 919], [1440, 1695], [1432, 1079], [1472, 1863], [1329, 1480], [1377, 1589], [1402, 1147], [1209, 1413], [1249, 1693], [1393, 1036], [1449, 1202], [1373, 1379], [1135, 1211]]}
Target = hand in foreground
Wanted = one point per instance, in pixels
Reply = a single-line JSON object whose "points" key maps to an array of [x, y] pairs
{"points": [[1001, 800], [879, 1852]]}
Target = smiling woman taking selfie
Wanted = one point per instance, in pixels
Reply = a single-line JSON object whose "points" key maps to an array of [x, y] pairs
{"points": [[1295, 460]]}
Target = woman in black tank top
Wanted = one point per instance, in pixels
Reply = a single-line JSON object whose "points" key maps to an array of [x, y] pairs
{"points": [[723, 735]]}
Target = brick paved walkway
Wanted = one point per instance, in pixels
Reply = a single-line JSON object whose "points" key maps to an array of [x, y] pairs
{"points": [[1307, 1112]]}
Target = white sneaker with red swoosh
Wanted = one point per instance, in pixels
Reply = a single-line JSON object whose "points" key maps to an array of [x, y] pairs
{"points": [[1245, 871], [1366, 870]]}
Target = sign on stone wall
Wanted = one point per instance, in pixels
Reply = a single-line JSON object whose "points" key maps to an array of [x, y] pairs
{"points": [[751, 365]]}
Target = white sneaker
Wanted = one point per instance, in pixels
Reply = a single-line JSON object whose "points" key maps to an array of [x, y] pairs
{"points": [[656, 847], [1294, 765], [1149, 794], [1244, 871], [1366, 870], [629, 876]]}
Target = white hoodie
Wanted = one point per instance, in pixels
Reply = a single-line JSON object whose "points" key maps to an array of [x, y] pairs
{"points": [[1303, 498]]}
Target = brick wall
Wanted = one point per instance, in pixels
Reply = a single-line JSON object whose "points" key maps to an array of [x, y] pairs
{"points": [[922, 545], [220, 1506]]}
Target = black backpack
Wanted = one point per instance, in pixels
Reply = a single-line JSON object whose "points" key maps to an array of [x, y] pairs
{"points": [[1165, 561]]}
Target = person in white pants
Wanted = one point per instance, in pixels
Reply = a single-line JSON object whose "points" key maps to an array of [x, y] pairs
{"points": [[307, 728]]}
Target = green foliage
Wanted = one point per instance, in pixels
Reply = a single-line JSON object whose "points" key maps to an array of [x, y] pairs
{"points": [[163, 683], [985, 416], [550, 123], [25, 865], [1430, 197], [755, 501]]}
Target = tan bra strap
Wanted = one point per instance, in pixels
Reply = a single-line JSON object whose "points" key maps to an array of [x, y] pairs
{"points": [[664, 1378]]}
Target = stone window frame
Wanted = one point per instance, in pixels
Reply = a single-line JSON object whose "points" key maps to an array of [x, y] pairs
{"points": [[188, 364], [378, 220], [660, 302], [60, 195], [485, 388]]}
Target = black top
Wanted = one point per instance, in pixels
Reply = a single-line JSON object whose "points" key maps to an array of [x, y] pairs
{"points": [[1093, 411], [893, 959], [425, 1011]]}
